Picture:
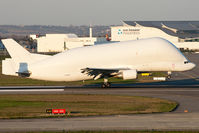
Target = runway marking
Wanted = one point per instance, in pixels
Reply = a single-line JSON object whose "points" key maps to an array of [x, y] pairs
{"points": [[30, 90], [166, 90]]}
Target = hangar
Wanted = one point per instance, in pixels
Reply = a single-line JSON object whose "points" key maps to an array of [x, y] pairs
{"points": [[62, 42], [184, 34]]}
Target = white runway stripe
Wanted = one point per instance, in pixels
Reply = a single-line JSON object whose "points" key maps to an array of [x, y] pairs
{"points": [[29, 90], [164, 90]]}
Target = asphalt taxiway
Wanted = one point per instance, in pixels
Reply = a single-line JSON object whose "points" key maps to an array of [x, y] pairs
{"points": [[173, 121]]}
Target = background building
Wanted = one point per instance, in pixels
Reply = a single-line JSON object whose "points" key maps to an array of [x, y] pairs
{"points": [[61, 42], [184, 34]]}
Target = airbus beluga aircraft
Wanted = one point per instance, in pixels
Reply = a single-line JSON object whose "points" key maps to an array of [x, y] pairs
{"points": [[122, 59]]}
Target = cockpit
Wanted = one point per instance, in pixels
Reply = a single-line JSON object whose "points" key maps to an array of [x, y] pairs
{"points": [[186, 62]]}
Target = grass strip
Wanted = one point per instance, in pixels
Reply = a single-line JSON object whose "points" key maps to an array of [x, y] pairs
{"points": [[34, 106]]}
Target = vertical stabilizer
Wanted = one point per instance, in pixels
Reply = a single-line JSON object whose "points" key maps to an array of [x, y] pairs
{"points": [[16, 51], [20, 59], [19, 56]]}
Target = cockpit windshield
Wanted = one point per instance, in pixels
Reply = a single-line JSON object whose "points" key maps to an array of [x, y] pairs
{"points": [[186, 62]]}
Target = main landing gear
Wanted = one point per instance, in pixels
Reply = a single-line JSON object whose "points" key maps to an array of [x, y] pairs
{"points": [[106, 84], [169, 75]]}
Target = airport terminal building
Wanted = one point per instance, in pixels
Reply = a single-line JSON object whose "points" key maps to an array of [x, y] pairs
{"points": [[184, 34]]}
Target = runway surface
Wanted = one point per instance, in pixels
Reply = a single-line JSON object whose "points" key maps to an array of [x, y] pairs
{"points": [[174, 121]]}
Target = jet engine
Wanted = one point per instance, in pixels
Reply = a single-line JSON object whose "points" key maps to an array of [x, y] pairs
{"points": [[129, 74]]}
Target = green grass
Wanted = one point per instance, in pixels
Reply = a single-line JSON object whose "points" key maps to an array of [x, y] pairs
{"points": [[34, 106]]}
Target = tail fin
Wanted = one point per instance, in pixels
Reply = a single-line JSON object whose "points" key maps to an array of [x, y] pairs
{"points": [[16, 51], [20, 59]]}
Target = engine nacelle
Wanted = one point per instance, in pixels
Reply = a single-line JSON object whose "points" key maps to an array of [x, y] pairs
{"points": [[129, 74]]}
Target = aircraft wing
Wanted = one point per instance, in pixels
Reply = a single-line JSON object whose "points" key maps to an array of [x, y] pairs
{"points": [[102, 72]]}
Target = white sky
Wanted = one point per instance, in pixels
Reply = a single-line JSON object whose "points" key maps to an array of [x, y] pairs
{"points": [[96, 12]]}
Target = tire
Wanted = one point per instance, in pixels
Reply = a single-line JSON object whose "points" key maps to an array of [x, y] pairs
{"points": [[106, 85]]}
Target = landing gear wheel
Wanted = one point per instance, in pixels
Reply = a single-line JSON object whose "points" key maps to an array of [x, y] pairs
{"points": [[106, 85], [169, 77]]}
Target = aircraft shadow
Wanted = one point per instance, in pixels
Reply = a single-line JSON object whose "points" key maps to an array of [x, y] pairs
{"points": [[184, 83]]}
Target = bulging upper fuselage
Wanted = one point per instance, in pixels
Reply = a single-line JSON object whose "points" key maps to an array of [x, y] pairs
{"points": [[154, 54]]}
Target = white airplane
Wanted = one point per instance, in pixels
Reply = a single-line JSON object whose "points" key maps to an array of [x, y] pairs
{"points": [[122, 59]]}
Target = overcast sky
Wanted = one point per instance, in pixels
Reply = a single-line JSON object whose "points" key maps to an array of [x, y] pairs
{"points": [[96, 12]]}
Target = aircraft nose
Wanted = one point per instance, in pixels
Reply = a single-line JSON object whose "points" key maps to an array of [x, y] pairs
{"points": [[192, 65]]}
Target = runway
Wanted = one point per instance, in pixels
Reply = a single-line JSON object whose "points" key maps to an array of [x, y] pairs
{"points": [[167, 121]]}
